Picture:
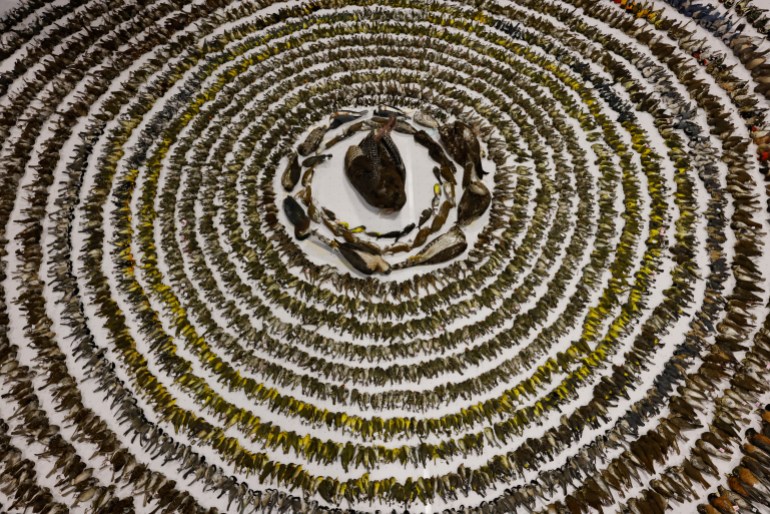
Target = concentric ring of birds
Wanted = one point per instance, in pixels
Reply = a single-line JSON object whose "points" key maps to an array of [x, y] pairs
{"points": [[196, 319]]}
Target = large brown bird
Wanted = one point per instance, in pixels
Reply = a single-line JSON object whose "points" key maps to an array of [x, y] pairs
{"points": [[376, 170]]}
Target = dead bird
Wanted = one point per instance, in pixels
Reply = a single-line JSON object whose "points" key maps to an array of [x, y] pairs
{"points": [[376, 170], [361, 259], [736, 499], [441, 216], [425, 216], [316, 159], [462, 144], [706, 508], [445, 247], [388, 111], [744, 490], [347, 132], [722, 503], [339, 118], [400, 126], [693, 473], [297, 217], [446, 167], [312, 141], [393, 234], [474, 202], [755, 488], [307, 177], [291, 174], [425, 119]]}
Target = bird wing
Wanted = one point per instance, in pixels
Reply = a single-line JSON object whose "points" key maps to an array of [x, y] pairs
{"points": [[361, 171], [392, 152]]}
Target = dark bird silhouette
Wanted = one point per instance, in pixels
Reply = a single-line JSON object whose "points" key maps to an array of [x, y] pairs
{"points": [[463, 145], [376, 170], [475, 200]]}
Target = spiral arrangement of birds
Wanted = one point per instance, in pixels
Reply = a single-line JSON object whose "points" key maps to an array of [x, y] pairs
{"points": [[572, 316]]}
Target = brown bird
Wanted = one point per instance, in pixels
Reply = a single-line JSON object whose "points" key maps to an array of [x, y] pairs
{"points": [[297, 217], [756, 490], [742, 503], [722, 504], [759, 440], [362, 259], [376, 170], [707, 509], [693, 473], [463, 145], [757, 453], [742, 489], [475, 200]]}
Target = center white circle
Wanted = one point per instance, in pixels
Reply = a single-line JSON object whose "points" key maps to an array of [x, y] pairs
{"points": [[326, 185]]}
